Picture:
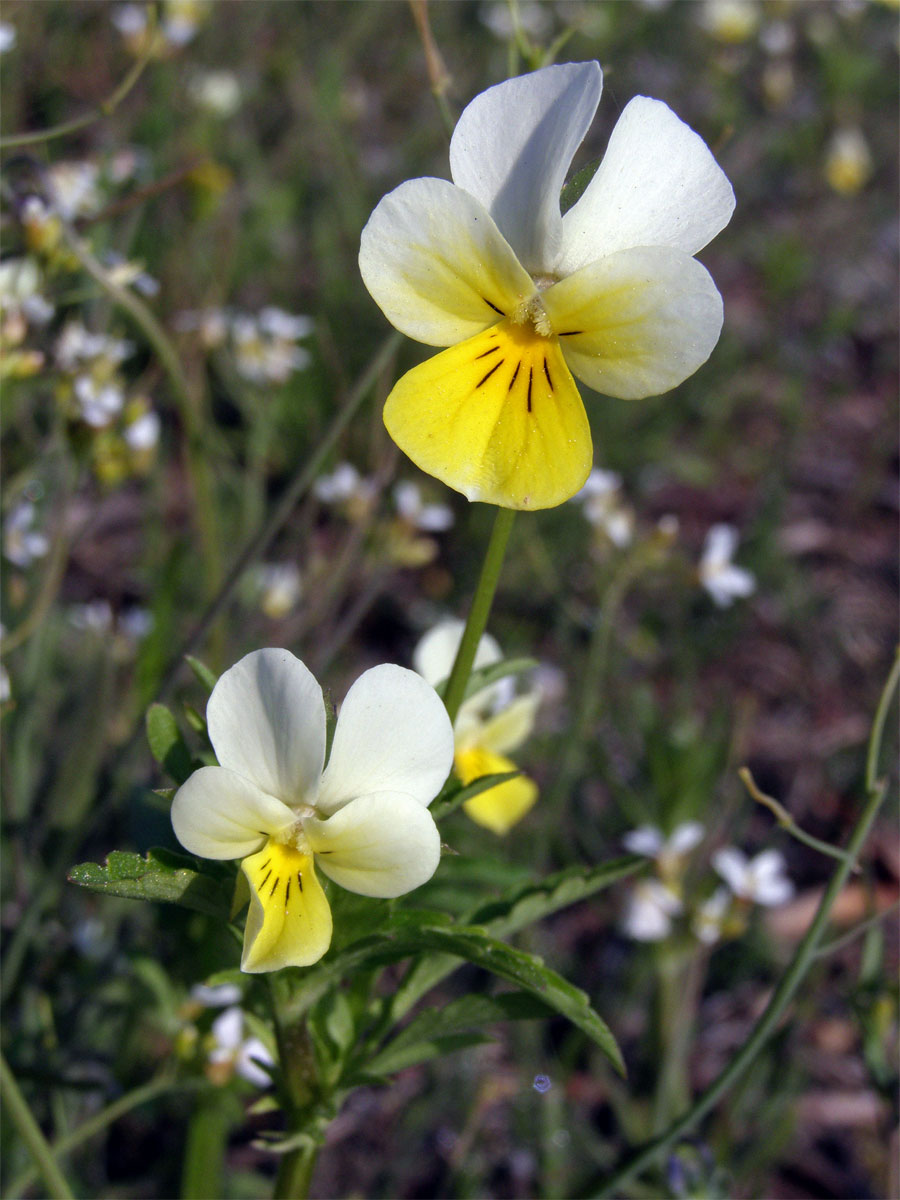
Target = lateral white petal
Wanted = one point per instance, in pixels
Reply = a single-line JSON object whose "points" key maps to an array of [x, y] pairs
{"points": [[383, 844], [658, 185], [219, 814], [512, 147], [732, 865], [393, 735], [437, 265], [636, 323], [435, 653], [266, 721]]}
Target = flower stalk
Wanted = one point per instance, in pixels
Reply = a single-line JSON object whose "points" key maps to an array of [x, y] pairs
{"points": [[479, 612]]}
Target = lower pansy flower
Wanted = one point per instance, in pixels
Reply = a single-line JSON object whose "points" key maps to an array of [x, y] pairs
{"points": [[490, 724], [362, 820]]}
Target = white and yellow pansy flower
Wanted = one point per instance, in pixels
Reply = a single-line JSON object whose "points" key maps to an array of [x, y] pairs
{"points": [[489, 725], [527, 297], [363, 819]]}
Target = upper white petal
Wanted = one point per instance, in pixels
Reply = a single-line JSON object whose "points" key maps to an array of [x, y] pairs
{"points": [[266, 721], [384, 844], [637, 322], [732, 865], [219, 814], [393, 735], [685, 837], [437, 265], [647, 840], [658, 185], [512, 147], [435, 653], [720, 545]]}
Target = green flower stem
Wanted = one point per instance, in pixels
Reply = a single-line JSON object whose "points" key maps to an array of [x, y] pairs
{"points": [[297, 1060], [805, 956], [479, 612], [98, 1122], [105, 109], [21, 1116], [784, 818]]}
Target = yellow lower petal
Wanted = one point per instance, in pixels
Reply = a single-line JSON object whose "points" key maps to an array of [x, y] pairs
{"points": [[289, 922], [498, 808], [497, 417]]}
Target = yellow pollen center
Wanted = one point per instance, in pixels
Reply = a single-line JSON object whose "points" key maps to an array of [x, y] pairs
{"points": [[531, 311]]}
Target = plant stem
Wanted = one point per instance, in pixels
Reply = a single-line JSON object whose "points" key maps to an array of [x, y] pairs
{"points": [[479, 612], [806, 955], [298, 1072], [295, 1173], [30, 1132], [98, 1122], [105, 109]]}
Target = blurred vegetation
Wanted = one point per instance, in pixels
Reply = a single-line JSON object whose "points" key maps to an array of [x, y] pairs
{"points": [[253, 196]]}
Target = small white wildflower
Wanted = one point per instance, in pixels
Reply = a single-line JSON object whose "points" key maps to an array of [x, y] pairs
{"points": [[848, 162], [219, 92], [243, 1055], [288, 327], [722, 579], [135, 623], [760, 880], [777, 37], [649, 911], [143, 433], [730, 21], [22, 543], [94, 617], [430, 518], [280, 586], [130, 19], [667, 852], [7, 36], [98, 403], [72, 188], [343, 484], [602, 504], [220, 995]]}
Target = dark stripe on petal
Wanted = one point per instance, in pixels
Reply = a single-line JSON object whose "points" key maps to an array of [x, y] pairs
{"points": [[300, 880], [493, 306], [547, 373], [530, 381], [513, 380], [571, 333], [493, 350], [495, 367], [263, 884], [275, 885]]}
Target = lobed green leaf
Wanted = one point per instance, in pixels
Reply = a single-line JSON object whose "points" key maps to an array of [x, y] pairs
{"points": [[161, 876]]}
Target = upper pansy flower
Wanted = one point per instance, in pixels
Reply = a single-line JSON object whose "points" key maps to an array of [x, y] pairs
{"points": [[490, 724], [527, 297], [363, 819]]}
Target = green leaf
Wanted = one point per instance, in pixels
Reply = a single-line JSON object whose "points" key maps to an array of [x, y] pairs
{"points": [[427, 1034], [521, 907], [454, 796], [202, 671], [485, 676], [395, 1059], [166, 743], [476, 946], [162, 875]]}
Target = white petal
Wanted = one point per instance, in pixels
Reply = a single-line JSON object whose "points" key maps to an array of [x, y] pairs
{"points": [[512, 147], [433, 657], [775, 890], [250, 1055], [266, 721], [646, 840], [393, 735], [658, 185], [436, 264], [685, 837], [228, 1028], [732, 865], [636, 323], [384, 845], [219, 814], [512, 725], [720, 545]]}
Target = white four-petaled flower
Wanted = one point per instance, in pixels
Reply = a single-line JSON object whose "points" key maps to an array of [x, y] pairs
{"points": [[527, 297], [760, 880], [363, 819], [724, 581]]}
